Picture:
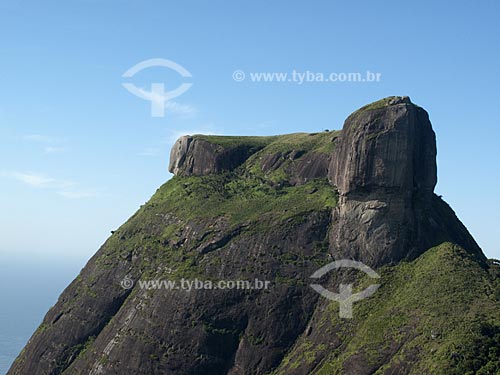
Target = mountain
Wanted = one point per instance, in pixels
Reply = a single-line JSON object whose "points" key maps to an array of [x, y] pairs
{"points": [[271, 212]]}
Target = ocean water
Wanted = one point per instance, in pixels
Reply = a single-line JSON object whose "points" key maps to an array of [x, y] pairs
{"points": [[28, 288]]}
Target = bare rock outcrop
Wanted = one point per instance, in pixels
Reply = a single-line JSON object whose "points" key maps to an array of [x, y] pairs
{"points": [[384, 167], [388, 146], [191, 156]]}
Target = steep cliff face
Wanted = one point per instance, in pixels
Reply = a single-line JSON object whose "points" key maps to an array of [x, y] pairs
{"points": [[276, 209], [386, 147], [196, 156], [385, 169]]}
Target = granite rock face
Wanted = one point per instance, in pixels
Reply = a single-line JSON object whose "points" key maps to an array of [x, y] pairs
{"points": [[385, 170], [196, 157], [302, 166], [271, 209], [384, 148]]}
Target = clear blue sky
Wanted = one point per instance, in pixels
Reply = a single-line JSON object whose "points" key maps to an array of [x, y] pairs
{"points": [[79, 153]]}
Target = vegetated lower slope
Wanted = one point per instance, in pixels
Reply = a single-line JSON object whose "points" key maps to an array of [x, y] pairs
{"points": [[266, 208], [436, 315]]}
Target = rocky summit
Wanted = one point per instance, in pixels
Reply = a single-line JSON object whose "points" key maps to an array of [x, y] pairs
{"points": [[272, 211]]}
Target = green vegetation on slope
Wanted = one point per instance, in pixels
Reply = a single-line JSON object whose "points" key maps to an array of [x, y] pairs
{"points": [[236, 199], [317, 142], [240, 199], [440, 313], [229, 141], [376, 105]]}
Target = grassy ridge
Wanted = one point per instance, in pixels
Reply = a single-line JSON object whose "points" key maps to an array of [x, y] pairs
{"points": [[318, 142], [440, 313]]}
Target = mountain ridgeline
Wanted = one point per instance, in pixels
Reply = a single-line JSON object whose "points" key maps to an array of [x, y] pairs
{"points": [[276, 209]]}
